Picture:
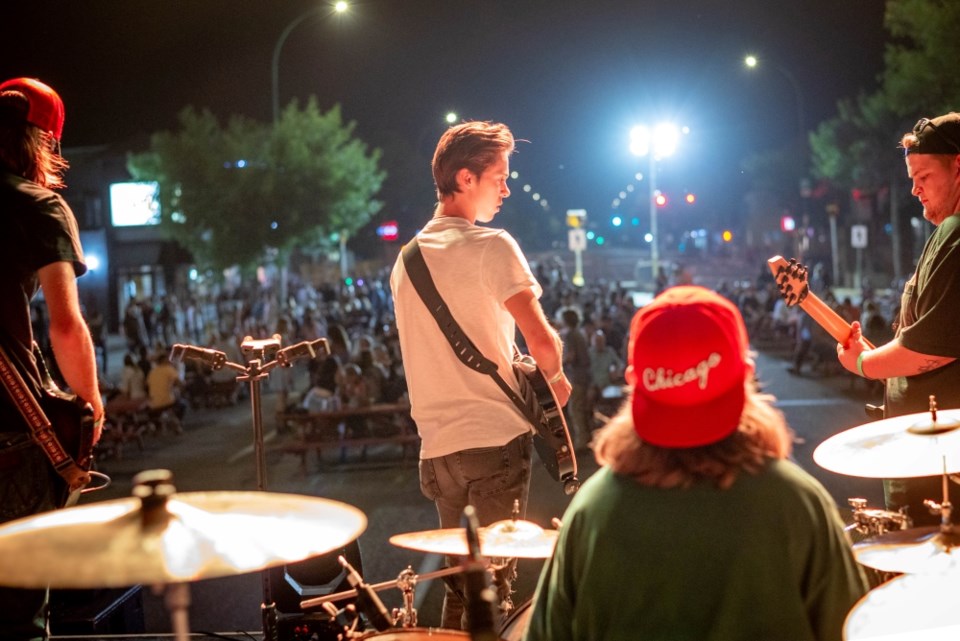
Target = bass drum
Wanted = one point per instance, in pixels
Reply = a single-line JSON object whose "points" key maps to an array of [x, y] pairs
{"points": [[416, 634], [516, 624]]}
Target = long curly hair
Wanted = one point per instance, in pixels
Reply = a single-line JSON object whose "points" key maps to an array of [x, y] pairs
{"points": [[25, 150], [763, 434]]}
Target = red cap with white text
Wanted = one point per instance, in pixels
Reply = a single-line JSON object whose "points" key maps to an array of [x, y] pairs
{"points": [[688, 351]]}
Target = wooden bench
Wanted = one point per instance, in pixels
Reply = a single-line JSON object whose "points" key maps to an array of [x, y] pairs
{"points": [[381, 423]]}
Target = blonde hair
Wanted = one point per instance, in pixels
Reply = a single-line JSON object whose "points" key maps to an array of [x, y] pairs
{"points": [[763, 434]]}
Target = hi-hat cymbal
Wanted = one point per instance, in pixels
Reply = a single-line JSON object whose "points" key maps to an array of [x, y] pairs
{"points": [[901, 447], [514, 539], [924, 550], [186, 537], [909, 607]]}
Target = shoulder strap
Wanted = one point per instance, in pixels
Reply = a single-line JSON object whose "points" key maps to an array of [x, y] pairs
{"points": [[40, 426], [462, 346]]}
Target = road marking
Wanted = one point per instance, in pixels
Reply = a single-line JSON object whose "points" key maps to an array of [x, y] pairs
{"points": [[248, 450], [806, 402]]}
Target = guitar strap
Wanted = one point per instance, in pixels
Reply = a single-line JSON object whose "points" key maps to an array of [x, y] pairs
{"points": [[43, 434], [463, 347]]}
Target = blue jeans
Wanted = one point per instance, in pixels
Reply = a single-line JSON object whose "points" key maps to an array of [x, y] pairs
{"points": [[490, 479], [27, 487]]}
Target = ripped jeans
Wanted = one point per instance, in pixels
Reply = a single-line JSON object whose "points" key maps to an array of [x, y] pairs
{"points": [[490, 479]]}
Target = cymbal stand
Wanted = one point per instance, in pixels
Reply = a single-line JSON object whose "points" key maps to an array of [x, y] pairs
{"points": [[349, 594], [262, 356], [406, 617], [948, 537]]}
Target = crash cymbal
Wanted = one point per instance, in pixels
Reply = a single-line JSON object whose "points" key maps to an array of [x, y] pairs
{"points": [[183, 537], [906, 608], [901, 447], [514, 539], [924, 550]]}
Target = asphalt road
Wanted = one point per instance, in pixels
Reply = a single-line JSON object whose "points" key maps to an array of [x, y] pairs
{"points": [[215, 453]]}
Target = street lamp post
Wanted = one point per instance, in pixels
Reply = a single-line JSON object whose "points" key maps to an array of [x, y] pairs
{"points": [[752, 61], [656, 143], [338, 7]]}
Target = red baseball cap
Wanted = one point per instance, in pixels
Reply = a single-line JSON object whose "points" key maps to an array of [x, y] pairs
{"points": [[688, 351], [46, 108]]}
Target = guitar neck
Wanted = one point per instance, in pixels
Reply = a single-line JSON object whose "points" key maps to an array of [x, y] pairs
{"points": [[828, 319]]}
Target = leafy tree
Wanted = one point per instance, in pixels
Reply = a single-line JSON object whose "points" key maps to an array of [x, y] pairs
{"points": [[919, 78], [231, 194]]}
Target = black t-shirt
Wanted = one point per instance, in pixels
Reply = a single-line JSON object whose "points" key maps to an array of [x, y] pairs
{"points": [[38, 229], [928, 324]]}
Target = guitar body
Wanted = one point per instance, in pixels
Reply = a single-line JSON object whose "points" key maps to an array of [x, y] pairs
{"points": [[71, 419], [552, 437]]}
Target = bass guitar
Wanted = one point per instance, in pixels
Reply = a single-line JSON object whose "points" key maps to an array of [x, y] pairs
{"points": [[794, 285], [552, 437]]}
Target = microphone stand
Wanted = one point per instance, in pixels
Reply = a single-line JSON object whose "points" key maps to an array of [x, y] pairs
{"points": [[261, 357]]}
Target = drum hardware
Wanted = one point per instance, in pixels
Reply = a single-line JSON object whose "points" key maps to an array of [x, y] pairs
{"points": [[261, 357], [916, 551], [407, 579], [871, 521], [160, 537]]}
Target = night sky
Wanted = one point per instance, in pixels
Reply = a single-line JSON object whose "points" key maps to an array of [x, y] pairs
{"points": [[571, 77]]}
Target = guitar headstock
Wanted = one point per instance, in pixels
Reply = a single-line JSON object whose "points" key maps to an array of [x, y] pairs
{"points": [[792, 279]]}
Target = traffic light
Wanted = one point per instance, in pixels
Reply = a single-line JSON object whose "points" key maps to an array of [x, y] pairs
{"points": [[576, 218], [727, 235], [661, 200]]}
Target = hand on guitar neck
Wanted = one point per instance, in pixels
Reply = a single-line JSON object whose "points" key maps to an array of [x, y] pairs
{"points": [[794, 287]]}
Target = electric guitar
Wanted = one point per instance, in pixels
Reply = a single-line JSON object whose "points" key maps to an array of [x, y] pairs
{"points": [[552, 438], [794, 285]]}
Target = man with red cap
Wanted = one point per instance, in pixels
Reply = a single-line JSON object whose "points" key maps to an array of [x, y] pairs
{"points": [[41, 248], [697, 526]]}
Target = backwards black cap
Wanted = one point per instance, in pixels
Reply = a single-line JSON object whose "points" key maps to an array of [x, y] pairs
{"points": [[940, 135]]}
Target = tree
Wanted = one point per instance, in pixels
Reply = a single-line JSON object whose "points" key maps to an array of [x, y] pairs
{"points": [[232, 194], [919, 77]]}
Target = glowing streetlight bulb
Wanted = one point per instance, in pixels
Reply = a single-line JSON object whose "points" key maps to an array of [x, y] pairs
{"points": [[750, 61], [340, 6], [451, 117]]}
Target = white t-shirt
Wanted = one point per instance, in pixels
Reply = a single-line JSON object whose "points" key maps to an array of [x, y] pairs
{"points": [[476, 269]]}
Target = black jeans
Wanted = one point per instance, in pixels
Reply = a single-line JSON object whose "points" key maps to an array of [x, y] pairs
{"points": [[490, 479], [27, 487]]}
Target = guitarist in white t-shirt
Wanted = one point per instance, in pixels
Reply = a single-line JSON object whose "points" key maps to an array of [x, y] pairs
{"points": [[476, 444]]}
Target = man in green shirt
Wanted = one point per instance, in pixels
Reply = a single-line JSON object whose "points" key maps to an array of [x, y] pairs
{"points": [[697, 526]]}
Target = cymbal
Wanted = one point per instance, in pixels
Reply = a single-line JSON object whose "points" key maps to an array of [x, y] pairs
{"points": [[916, 551], [513, 539], [186, 537], [908, 607], [901, 447]]}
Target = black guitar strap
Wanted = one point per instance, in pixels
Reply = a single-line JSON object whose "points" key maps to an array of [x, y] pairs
{"points": [[43, 434], [462, 346]]}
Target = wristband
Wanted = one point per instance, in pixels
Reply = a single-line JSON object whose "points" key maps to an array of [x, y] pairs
{"points": [[860, 365], [556, 379]]}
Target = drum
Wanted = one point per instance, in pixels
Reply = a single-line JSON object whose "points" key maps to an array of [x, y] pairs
{"points": [[415, 634], [516, 624], [912, 606]]}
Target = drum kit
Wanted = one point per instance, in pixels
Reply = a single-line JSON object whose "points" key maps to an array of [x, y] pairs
{"points": [[920, 566], [167, 539]]}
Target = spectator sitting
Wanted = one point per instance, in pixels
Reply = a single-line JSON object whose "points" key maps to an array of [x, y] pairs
{"points": [[163, 387]]}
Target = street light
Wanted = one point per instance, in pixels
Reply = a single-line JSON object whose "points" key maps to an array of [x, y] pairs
{"points": [[659, 142], [339, 7], [752, 62]]}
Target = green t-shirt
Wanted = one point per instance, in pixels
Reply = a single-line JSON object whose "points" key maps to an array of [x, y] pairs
{"points": [[765, 559]]}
